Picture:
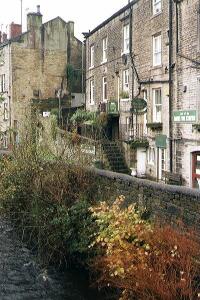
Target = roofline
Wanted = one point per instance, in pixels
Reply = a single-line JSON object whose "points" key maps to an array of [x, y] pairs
{"points": [[119, 12]]}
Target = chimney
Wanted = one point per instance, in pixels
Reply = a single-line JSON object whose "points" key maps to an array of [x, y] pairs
{"points": [[4, 37], [34, 20], [71, 27], [38, 9], [15, 30]]}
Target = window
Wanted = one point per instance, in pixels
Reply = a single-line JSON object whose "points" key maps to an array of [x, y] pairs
{"points": [[5, 111], [92, 56], [157, 106], [105, 92], [151, 156], [2, 83], [145, 114], [156, 6], [91, 91], [105, 49], [126, 38], [5, 140], [198, 28], [157, 58], [126, 80]]}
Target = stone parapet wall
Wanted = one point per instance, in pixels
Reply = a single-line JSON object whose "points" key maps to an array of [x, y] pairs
{"points": [[164, 202]]}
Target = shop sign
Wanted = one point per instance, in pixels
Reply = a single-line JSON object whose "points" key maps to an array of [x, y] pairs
{"points": [[185, 116], [161, 141]]}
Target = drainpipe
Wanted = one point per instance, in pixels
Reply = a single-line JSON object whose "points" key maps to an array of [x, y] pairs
{"points": [[170, 85]]}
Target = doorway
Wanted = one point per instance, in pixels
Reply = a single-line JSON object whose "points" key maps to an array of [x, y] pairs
{"points": [[141, 162], [196, 170]]}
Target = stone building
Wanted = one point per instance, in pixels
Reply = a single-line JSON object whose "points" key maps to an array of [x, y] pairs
{"points": [[150, 50], [186, 107], [34, 65]]}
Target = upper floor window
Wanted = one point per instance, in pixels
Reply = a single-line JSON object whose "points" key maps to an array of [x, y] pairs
{"points": [[157, 53], [151, 155], [2, 83], [91, 91], [126, 35], [157, 105], [198, 29], [5, 111], [156, 6], [105, 90], [91, 56], [126, 80], [105, 49]]}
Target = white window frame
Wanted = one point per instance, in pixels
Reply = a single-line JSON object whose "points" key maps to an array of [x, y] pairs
{"points": [[2, 83], [105, 88], [5, 110], [92, 56], [157, 112], [5, 140], [105, 49], [126, 38], [91, 92], [151, 156], [126, 80], [157, 6], [157, 50]]}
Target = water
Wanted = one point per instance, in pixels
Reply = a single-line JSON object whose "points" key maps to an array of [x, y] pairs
{"points": [[21, 278]]}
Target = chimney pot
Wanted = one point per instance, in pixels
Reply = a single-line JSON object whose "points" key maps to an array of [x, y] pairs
{"points": [[38, 9]]}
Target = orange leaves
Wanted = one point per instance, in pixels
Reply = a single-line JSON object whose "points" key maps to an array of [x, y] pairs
{"points": [[145, 261]]}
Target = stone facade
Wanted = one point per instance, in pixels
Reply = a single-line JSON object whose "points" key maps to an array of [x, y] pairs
{"points": [[35, 65], [150, 41]]}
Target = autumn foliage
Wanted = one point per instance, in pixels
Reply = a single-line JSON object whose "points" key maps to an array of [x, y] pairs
{"points": [[142, 260]]}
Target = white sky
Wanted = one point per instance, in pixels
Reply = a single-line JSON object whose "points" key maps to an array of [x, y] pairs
{"points": [[86, 14]]}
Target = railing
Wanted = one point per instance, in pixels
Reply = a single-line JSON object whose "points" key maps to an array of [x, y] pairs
{"points": [[132, 132]]}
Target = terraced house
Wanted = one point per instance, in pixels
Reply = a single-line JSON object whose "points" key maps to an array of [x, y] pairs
{"points": [[142, 68], [34, 68]]}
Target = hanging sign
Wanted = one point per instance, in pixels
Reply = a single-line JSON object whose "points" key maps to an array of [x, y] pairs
{"points": [[138, 106]]}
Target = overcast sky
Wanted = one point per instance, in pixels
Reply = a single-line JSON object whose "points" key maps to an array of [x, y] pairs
{"points": [[86, 14]]}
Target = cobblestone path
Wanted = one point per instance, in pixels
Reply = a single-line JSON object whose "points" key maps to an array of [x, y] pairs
{"points": [[20, 276]]}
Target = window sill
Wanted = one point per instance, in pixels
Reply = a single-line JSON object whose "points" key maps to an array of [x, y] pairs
{"points": [[125, 99], [92, 67], [155, 126], [125, 53], [157, 67], [156, 14], [104, 62]]}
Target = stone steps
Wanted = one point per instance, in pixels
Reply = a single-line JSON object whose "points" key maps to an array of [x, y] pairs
{"points": [[115, 157]]}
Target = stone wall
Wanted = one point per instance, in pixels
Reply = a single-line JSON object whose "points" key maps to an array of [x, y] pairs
{"points": [[164, 202]]}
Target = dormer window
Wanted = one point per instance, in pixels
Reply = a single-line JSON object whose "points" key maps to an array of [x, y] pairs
{"points": [[156, 6]]}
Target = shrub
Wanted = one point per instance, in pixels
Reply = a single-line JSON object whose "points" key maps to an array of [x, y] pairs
{"points": [[142, 260]]}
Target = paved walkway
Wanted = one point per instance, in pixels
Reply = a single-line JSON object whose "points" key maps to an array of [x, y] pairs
{"points": [[22, 279]]}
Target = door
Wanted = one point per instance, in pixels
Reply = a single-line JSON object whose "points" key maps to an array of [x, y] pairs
{"points": [[196, 170], [141, 162]]}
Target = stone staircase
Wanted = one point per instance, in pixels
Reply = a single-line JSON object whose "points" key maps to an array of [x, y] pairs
{"points": [[114, 157]]}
